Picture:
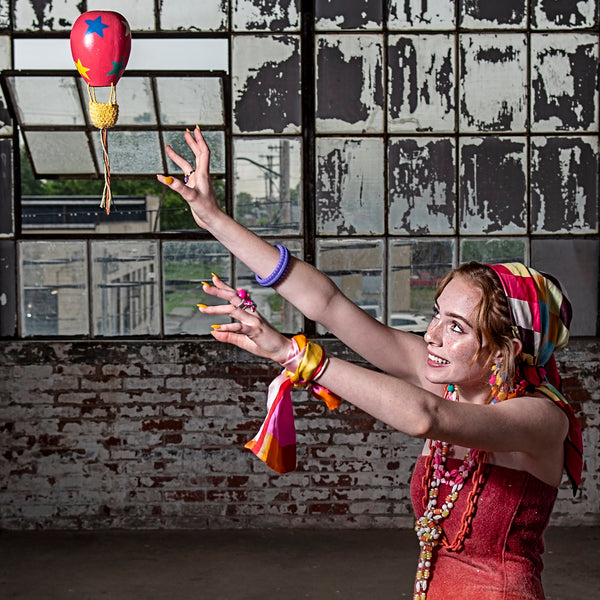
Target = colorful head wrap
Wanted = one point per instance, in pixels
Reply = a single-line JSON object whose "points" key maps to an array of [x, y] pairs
{"points": [[541, 314]]}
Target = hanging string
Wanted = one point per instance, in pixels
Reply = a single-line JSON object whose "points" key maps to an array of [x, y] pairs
{"points": [[104, 116]]}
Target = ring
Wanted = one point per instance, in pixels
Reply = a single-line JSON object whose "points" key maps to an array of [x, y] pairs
{"points": [[187, 176], [246, 303]]}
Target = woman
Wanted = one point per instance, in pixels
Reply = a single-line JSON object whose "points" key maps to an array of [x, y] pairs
{"points": [[486, 482]]}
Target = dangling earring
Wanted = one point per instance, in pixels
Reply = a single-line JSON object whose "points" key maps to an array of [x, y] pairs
{"points": [[498, 384]]}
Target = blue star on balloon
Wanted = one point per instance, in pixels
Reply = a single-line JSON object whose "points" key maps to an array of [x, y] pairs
{"points": [[96, 26], [117, 66]]}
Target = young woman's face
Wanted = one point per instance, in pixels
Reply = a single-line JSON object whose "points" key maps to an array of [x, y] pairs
{"points": [[452, 341]]}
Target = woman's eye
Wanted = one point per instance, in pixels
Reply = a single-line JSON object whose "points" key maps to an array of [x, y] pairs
{"points": [[456, 327]]}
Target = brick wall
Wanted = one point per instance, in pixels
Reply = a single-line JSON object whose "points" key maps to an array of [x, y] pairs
{"points": [[144, 434]]}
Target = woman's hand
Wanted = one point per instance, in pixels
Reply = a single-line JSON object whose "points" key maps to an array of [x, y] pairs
{"points": [[250, 331], [197, 190]]}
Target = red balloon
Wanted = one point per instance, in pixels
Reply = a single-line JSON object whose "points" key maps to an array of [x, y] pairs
{"points": [[100, 45]]}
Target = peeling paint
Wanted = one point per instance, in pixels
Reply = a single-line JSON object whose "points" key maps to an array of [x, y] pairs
{"points": [[47, 15], [483, 13], [421, 83], [421, 14], [266, 84], [192, 16], [341, 14], [266, 15], [493, 185], [548, 14], [564, 82], [494, 82], [349, 84], [564, 185], [349, 186], [421, 183]]}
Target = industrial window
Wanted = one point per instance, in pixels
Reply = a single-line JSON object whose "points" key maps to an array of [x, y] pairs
{"points": [[383, 141]]}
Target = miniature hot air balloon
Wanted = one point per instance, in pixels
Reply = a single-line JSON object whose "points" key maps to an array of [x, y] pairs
{"points": [[100, 45]]}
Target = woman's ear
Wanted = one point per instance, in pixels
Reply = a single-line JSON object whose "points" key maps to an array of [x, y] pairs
{"points": [[517, 346]]}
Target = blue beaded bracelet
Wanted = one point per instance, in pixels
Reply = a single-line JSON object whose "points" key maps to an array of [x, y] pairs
{"points": [[280, 270]]}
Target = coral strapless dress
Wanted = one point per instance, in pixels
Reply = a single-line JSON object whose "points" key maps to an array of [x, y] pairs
{"points": [[501, 558]]}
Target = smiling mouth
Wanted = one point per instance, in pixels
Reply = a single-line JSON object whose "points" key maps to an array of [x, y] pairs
{"points": [[437, 360]]}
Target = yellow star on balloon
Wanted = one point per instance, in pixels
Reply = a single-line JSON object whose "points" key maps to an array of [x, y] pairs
{"points": [[82, 70]]}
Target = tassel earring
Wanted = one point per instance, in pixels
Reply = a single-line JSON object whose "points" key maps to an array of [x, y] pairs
{"points": [[498, 384]]}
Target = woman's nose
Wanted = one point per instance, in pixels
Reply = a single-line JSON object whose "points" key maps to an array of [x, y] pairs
{"points": [[431, 336]]}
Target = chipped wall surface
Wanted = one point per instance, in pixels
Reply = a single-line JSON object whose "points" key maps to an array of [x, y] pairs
{"points": [[341, 14], [421, 14], [266, 15], [151, 434]]}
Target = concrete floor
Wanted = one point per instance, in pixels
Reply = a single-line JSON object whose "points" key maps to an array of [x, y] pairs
{"points": [[251, 565]]}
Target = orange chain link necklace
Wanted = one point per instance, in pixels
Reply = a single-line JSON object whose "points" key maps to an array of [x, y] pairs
{"points": [[429, 526]]}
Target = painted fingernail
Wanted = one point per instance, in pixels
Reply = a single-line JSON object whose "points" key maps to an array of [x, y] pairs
{"points": [[187, 129], [206, 284], [168, 180], [216, 326], [216, 276], [201, 306], [197, 126]]}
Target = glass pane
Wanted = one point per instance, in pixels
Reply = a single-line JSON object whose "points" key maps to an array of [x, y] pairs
{"points": [[421, 72], [139, 13], [349, 86], [267, 184], [266, 91], [350, 190], [356, 267], [564, 185], [494, 250], [46, 100], [258, 15], [185, 266], [493, 185], [6, 187], [415, 272], [131, 152], [208, 15], [215, 141], [54, 290], [575, 263], [563, 15], [421, 185], [482, 14], [8, 288], [341, 14], [416, 14], [494, 82], [191, 100], [49, 16], [135, 100], [277, 311], [60, 152], [564, 80], [125, 299]]}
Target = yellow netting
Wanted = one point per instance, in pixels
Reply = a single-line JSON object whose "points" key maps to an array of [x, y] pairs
{"points": [[103, 116]]}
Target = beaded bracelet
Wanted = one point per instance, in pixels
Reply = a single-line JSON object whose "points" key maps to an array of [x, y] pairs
{"points": [[280, 270]]}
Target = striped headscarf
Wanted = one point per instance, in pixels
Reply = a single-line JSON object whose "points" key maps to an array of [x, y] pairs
{"points": [[541, 314]]}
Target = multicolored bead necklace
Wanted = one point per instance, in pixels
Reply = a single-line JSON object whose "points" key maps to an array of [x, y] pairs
{"points": [[429, 526]]}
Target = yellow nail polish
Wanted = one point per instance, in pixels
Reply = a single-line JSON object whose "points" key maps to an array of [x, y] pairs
{"points": [[201, 306], [197, 126], [216, 276], [216, 326], [168, 180], [206, 284], [187, 129]]}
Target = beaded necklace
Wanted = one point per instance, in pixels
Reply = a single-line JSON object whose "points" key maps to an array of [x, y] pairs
{"points": [[429, 526]]}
